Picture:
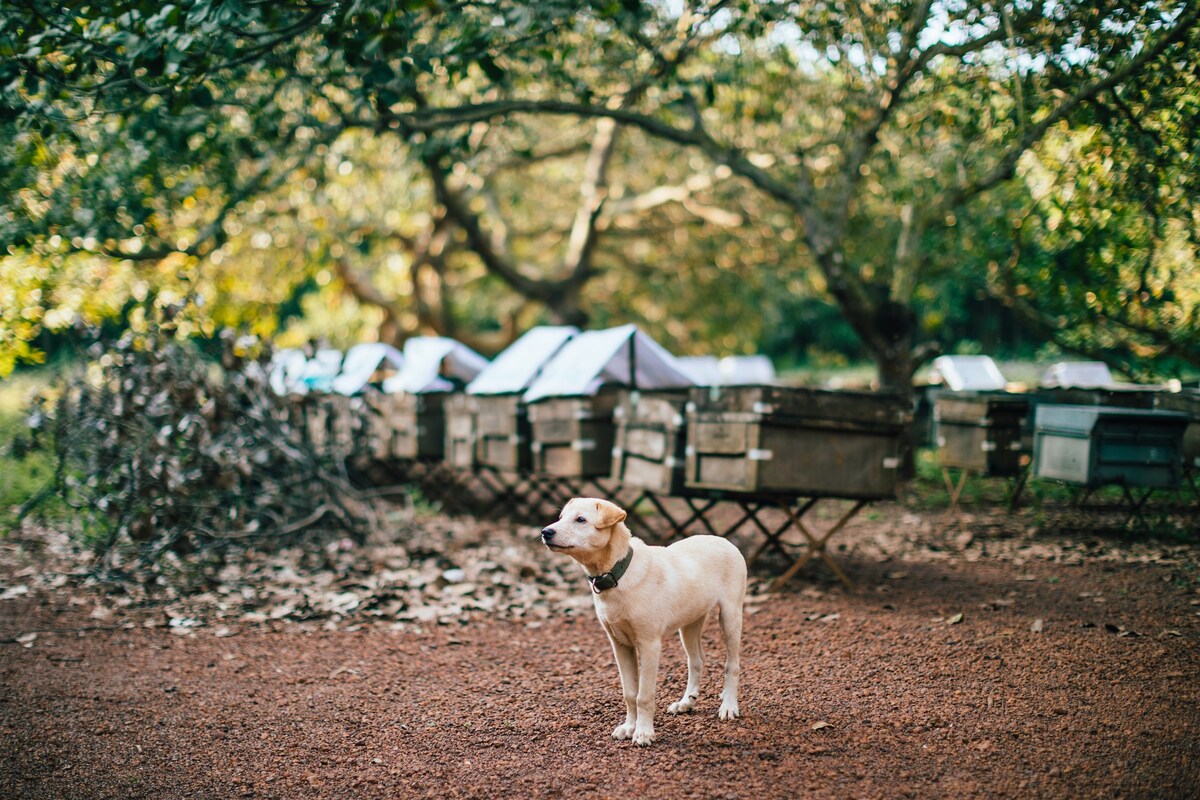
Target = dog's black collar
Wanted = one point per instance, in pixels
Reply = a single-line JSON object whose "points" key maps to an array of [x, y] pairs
{"points": [[610, 579]]}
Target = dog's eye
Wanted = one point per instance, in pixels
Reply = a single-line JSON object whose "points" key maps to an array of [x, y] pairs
{"points": [[580, 519]]}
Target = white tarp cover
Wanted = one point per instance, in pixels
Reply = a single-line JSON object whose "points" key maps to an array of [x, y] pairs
{"points": [[292, 372], [319, 371], [361, 362], [703, 370], [521, 362], [1087, 374], [595, 358], [728, 371], [746, 370], [427, 359], [969, 373], [287, 371]]}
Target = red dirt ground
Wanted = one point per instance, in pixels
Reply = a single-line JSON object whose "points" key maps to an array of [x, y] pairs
{"points": [[1103, 701]]}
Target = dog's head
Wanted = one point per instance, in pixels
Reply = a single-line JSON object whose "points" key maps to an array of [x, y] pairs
{"points": [[586, 524]]}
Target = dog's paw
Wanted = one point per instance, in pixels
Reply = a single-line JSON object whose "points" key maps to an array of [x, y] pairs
{"points": [[728, 711], [682, 706], [623, 731], [643, 737]]}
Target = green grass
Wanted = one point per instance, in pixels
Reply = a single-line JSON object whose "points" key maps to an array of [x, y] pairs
{"points": [[22, 474]]}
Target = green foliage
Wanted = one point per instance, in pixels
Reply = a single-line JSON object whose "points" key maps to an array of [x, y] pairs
{"points": [[28, 468], [915, 167]]}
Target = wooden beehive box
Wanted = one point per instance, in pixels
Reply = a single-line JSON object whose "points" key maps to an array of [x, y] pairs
{"points": [[409, 426], [572, 437], [379, 433], [810, 442], [419, 421], [461, 412], [982, 432], [651, 440], [503, 432], [1188, 402], [1098, 445]]}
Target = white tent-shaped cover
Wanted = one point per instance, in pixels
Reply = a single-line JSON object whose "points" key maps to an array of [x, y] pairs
{"points": [[427, 359], [969, 373], [622, 355], [360, 364], [287, 371], [1084, 374], [518, 366]]}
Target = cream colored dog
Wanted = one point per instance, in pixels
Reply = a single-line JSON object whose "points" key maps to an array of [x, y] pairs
{"points": [[642, 593]]}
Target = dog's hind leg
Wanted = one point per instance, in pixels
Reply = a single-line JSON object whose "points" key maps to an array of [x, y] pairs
{"points": [[690, 636], [627, 664], [731, 632]]}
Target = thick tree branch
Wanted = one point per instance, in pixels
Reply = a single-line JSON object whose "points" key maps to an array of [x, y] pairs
{"points": [[1005, 166]]}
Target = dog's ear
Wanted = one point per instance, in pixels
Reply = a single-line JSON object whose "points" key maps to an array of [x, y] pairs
{"points": [[610, 514]]}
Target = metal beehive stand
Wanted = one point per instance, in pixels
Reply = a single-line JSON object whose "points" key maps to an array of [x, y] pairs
{"points": [[750, 511]]}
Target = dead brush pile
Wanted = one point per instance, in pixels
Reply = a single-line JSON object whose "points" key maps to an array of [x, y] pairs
{"points": [[169, 458]]}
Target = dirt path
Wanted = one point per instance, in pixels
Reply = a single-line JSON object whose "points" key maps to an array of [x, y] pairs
{"points": [[1103, 701]]}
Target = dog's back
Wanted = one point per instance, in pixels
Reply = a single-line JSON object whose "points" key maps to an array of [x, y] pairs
{"points": [[708, 559]]}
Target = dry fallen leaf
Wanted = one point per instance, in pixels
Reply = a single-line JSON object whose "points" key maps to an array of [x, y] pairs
{"points": [[957, 618], [1037, 625], [816, 726], [14, 591], [27, 639]]}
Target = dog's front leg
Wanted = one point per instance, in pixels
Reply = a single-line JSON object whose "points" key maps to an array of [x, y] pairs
{"points": [[627, 664], [648, 654]]}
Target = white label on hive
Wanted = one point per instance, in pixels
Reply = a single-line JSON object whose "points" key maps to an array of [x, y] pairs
{"points": [[536, 447], [941, 441], [677, 421], [670, 463], [514, 438], [583, 444], [987, 447], [759, 455], [617, 452], [618, 412], [690, 407], [1014, 445], [583, 413], [892, 462], [763, 408], [690, 451]]}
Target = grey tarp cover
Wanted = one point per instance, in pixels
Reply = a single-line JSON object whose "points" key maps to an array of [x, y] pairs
{"points": [[518, 366], [624, 356], [361, 362], [969, 373], [429, 364]]}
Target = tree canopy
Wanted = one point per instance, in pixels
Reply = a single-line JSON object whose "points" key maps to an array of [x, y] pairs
{"points": [[718, 171]]}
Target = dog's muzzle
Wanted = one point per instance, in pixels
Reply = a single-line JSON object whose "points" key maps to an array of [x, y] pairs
{"points": [[547, 535]]}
